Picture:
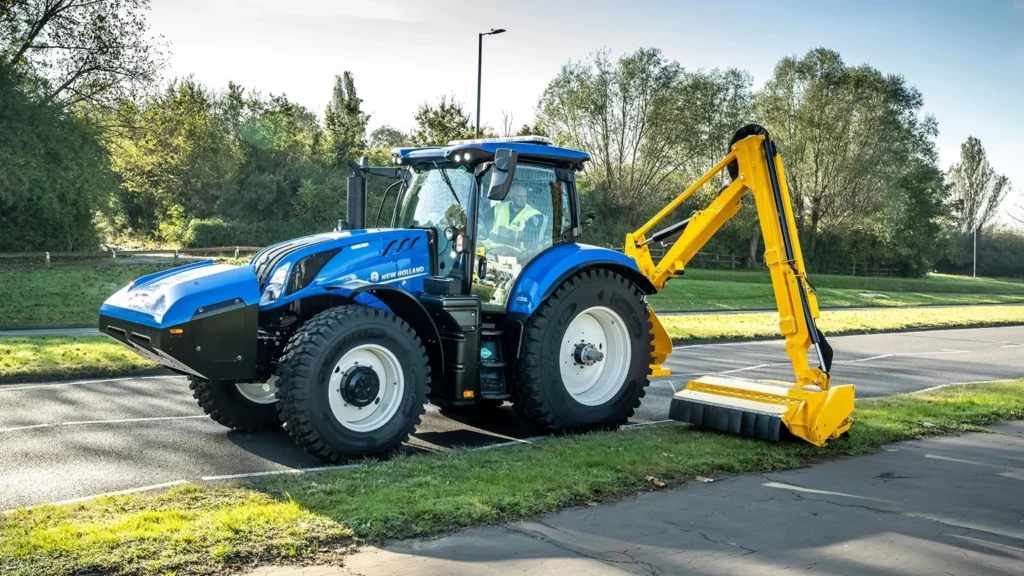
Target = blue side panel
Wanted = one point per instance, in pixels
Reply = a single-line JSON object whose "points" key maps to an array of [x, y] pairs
{"points": [[400, 258], [171, 297], [546, 270]]}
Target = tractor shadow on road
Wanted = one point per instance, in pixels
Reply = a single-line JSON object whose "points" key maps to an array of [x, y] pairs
{"points": [[438, 432]]}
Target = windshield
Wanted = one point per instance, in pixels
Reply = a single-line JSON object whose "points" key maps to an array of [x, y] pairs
{"points": [[437, 198]]}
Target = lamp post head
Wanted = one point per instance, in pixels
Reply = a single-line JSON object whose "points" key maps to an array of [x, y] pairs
{"points": [[494, 31]]}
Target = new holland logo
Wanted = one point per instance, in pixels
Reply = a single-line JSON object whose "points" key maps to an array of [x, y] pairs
{"points": [[374, 276]]}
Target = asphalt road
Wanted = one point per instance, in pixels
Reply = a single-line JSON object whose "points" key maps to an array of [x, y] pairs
{"points": [[71, 440]]}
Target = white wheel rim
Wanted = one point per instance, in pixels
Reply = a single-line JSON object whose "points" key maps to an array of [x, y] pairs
{"points": [[604, 330], [389, 394], [259, 392]]}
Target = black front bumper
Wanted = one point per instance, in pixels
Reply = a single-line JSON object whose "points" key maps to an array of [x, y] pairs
{"points": [[218, 343]]}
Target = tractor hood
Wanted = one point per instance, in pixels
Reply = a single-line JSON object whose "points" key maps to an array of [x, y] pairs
{"points": [[202, 318]]}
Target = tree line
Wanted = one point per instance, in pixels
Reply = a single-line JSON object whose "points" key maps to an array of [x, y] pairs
{"points": [[96, 148]]}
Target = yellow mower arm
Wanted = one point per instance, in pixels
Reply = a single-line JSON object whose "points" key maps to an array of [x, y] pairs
{"points": [[811, 408]]}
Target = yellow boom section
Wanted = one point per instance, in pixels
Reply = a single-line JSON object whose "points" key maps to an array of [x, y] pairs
{"points": [[810, 408]]}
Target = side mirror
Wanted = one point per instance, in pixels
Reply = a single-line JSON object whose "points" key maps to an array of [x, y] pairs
{"points": [[502, 173], [589, 218]]}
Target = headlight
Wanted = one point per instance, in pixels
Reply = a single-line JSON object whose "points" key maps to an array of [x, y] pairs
{"points": [[275, 286]]}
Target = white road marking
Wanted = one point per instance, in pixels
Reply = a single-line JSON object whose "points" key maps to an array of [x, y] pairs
{"points": [[124, 420], [90, 422], [971, 462], [285, 471], [29, 427], [1013, 346], [795, 488], [104, 495], [81, 382]]}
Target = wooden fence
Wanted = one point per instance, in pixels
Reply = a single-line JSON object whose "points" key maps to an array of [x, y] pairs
{"points": [[701, 260], [110, 253]]}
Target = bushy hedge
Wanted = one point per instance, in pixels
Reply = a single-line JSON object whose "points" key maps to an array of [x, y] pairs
{"points": [[218, 232], [1000, 255]]}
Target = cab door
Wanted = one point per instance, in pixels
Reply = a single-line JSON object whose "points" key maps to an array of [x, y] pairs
{"points": [[534, 216]]}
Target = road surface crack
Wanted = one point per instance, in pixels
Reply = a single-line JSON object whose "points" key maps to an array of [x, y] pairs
{"points": [[646, 566], [747, 551]]}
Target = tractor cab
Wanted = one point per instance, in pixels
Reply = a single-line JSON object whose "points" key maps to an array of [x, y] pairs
{"points": [[492, 205]]}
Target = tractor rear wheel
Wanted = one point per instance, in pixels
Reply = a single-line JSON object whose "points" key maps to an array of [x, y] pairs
{"points": [[242, 407], [353, 382], [586, 354]]}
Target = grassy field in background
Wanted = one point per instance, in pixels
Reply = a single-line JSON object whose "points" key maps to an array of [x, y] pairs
{"points": [[204, 529], [69, 296], [51, 358], [62, 296], [690, 328]]}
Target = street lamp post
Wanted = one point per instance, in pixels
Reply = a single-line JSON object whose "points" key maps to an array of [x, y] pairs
{"points": [[480, 68], [974, 274]]}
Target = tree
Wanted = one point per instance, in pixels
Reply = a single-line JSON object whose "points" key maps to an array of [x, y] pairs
{"points": [[175, 161], [80, 51], [977, 189], [846, 133], [55, 173], [387, 137], [646, 123], [345, 121], [437, 125], [917, 233]]}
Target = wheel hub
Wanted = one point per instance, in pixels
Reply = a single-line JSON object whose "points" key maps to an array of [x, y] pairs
{"points": [[360, 386], [586, 354]]}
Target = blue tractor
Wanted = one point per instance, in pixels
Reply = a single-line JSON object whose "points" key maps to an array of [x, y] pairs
{"points": [[480, 292]]}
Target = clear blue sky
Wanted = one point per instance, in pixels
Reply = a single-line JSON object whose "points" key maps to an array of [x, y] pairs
{"points": [[967, 57]]}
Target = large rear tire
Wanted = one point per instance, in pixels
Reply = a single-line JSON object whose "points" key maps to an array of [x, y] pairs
{"points": [[239, 407], [353, 383], [586, 354]]}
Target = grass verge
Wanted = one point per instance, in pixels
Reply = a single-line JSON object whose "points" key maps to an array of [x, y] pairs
{"points": [[53, 358], [56, 358], [202, 529], [702, 327]]}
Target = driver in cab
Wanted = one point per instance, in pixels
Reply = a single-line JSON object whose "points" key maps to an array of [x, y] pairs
{"points": [[510, 218]]}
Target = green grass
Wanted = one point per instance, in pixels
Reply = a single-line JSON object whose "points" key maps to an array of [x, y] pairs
{"points": [[931, 283], [203, 529], [743, 290], [55, 358], [701, 327], [70, 296], [63, 296]]}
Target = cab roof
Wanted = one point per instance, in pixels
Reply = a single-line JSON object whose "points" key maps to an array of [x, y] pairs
{"points": [[536, 148]]}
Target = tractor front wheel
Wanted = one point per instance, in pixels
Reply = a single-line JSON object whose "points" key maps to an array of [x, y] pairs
{"points": [[586, 354], [248, 407], [353, 383]]}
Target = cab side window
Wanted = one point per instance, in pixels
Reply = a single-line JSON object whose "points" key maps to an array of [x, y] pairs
{"points": [[512, 232]]}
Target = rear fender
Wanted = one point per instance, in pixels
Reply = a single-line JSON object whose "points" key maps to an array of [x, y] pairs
{"points": [[550, 268], [406, 307]]}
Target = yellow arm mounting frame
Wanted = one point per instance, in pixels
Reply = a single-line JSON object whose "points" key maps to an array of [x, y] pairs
{"points": [[758, 168]]}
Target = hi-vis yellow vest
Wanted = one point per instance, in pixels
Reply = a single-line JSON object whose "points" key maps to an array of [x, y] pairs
{"points": [[501, 220]]}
